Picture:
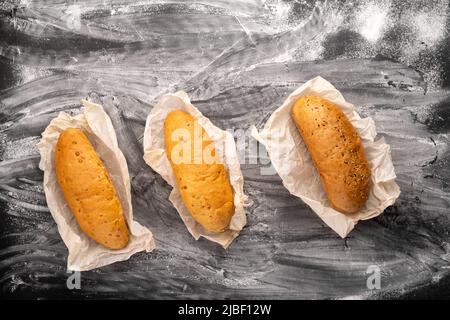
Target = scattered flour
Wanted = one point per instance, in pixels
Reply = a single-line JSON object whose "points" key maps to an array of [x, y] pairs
{"points": [[430, 27], [20, 148], [371, 20], [29, 73], [411, 33]]}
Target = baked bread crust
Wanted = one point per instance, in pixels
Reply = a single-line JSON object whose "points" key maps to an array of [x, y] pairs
{"points": [[89, 191], [203, 184], [336, 150]]}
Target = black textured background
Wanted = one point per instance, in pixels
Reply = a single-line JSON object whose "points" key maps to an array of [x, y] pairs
{"points": [[238, 60]]}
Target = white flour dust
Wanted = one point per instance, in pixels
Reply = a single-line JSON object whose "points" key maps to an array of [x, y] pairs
{"points": [[371, 20]]}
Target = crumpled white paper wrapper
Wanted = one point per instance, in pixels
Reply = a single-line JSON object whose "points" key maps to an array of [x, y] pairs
{"points": [[155, 156], [291, 159], [84, 253]]}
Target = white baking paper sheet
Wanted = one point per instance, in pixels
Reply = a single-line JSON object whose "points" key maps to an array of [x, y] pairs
{"points": [[291, 159], [84, 253], [155, 156]]}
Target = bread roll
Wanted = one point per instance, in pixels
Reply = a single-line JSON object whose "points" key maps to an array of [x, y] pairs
{"points": [[336, 151], [88, 190], [201, 178]]}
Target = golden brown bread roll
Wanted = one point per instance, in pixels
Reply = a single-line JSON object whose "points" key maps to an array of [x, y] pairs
{"points": [[336, 150], [201, 178], [89, 191]]}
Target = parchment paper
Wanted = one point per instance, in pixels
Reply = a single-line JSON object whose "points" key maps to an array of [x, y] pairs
{"points": [[155, 156], [291, 159], [84, 253]]}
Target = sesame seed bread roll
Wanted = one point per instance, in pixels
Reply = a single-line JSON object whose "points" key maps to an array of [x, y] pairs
{"points": [[336, 150], [204, 185], [89, 191]]}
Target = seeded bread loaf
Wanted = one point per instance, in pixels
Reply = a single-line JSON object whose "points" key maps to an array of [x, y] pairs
{"points": [[201, 178], [336, 150], [89, 191]]}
